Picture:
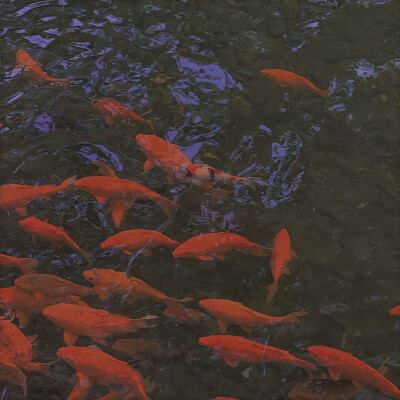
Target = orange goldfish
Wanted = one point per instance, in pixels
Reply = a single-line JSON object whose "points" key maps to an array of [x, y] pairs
{"points": [[96, 366], [184, 314], [281, 255], [285, 78], [224, 398], [345, 365], [122, 194], [79, 320], [18, 196], [32, 69], [114, 111], [138, 239], [166, 156], [230, 312], [27, 304], [53, 234], [9, 372], [51, 285], [235, 349], [214, 245], [26, 265], [200, 173], [395, 311]]}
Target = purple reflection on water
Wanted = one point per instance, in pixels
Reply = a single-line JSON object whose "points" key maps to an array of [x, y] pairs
{"points": [[365, 69], [76, 22], [180, 90], [39, 40], [113, 19], [44, 123], [278, 151], [92, 151], [294, 49], [191, 151], [31, 6], [46, 19]]}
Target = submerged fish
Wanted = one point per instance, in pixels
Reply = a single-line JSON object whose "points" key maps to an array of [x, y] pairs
{"points": [[285, 78], [9, 372], [104, 169], [32, 69], [184, 314], [235, 349], [50, 233], [18, 196], [209, 246], [395, 311], [26, 265], [230, 312]]}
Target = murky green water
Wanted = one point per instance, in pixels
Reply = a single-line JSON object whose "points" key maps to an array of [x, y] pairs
{"points": [[328, 170]]}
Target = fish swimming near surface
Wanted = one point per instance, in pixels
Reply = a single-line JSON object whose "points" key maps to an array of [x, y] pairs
{"points": [[235, 349], [97, 367], [19, 196], [285, 78], [395, 311], [26, 265], [122, 194], [344, 365], [32, 69], [200, 173], [114, 111], [138, 239], [209, 246], [79, 320], [53, 234], [230, 312], [281, 256]]}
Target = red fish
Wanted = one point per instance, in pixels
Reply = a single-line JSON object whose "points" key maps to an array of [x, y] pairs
{"points": [[114, 111], [18, 196], [285, 78], [184, 314], [344, 365], [235, 349], [167, 156], [97, 367], [32, 69], [199, 173], [138, 239], [230, 312], [50, 233], [26, 265], [122, 194], [281, 255], [224, 398], [395, 311], [79, 320], [214, 245], [27, 304]]}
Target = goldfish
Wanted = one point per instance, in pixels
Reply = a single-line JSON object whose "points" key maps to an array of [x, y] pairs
{"points": [[209, 246], [345, 365], [230, 312], [285, 78], [32, 69], [26, 265], [184, 314], [122, 194], [114, 111], [167, 156], [142, 349], [200, 173], [281, 255], [98, 367], [51, 285], [19, 196], [79, 320], [235, 349], [104, 169], [138, 239], [27, 304], [53, 234], [223, 398], [9, 372], [395, 311]]}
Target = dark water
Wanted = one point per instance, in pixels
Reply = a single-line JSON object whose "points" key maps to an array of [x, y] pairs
{"points": [[328, 168]]}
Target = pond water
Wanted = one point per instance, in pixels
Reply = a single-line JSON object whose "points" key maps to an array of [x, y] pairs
{"points": [[328, 172]]}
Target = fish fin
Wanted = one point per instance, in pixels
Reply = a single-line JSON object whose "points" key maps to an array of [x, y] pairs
{"points": [[67, 184], [141, 323], [323, 93], [230, 362], [118, 207], [23, 318], [70, 338], [250, 182], [257, 250], [357, 384], [220, 256], [109, 119], [105, 294], [272, 289], [146, 252], [222, 325], [150, 124], [21, 210], [99, 340], [102, 200], [293, 254], [293, 317], [86, 255], [186, 299], [333, 374], [84, 380], [205, 258], [148, 165], [383, 369], [128, 252], [28, 265], [285, 271], [247, 329], [165, 205], [31, 338]]}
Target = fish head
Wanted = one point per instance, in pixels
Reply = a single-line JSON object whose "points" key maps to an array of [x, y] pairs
{"points": [[208, 304], [67, 354], [23, 58], [60, 312], [25, 282], [29, 222], [182, 252], [94, 275], [320, 354]]}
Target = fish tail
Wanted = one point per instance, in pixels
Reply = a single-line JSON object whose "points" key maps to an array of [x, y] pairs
{"points": [[251, 182], [308, 367], [28, 266], [64, 83], [293, 317], [141, 323], [257, 250], [323, 93], [68, 183], [272, 289], [43, 368], [165, 205], [86, 255]]}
